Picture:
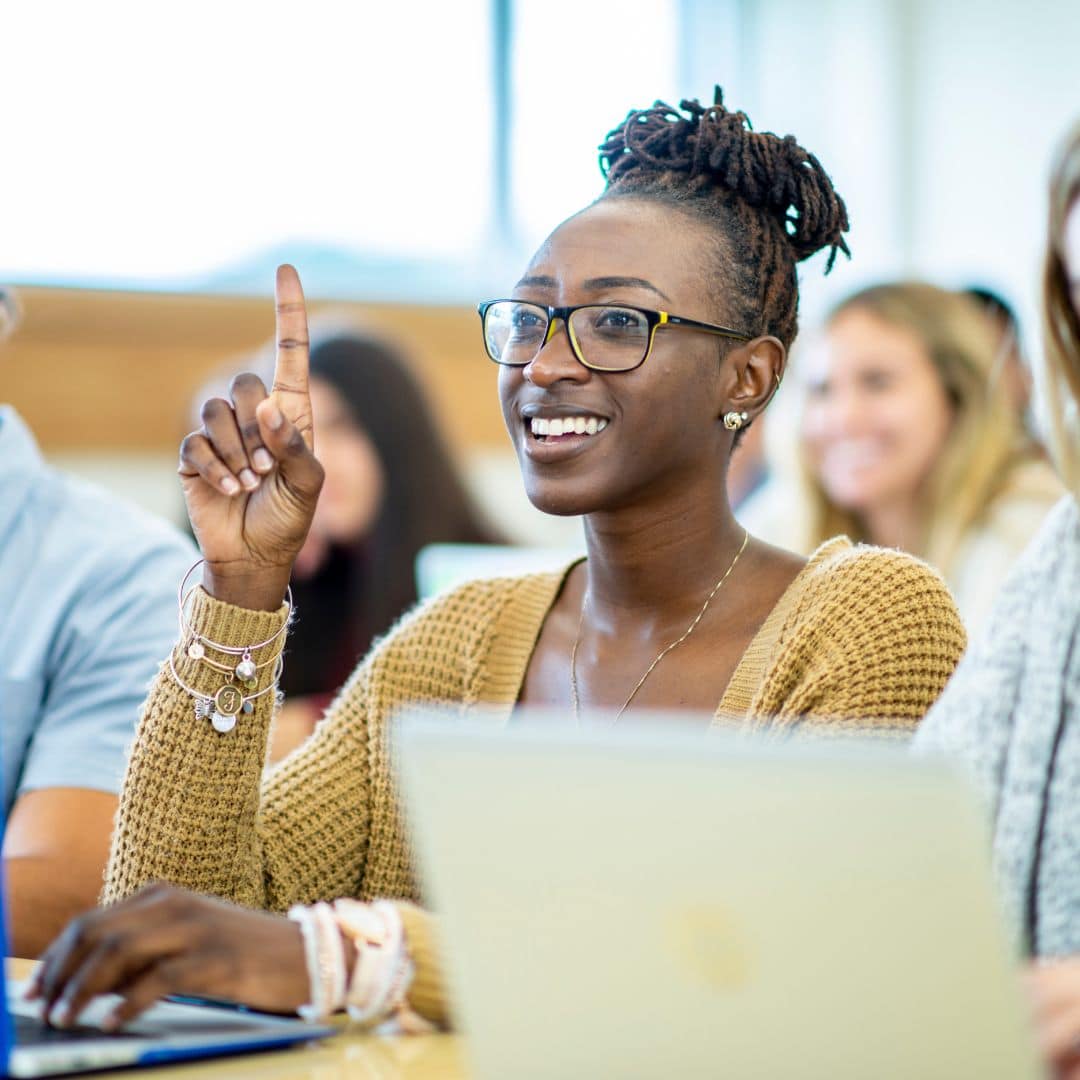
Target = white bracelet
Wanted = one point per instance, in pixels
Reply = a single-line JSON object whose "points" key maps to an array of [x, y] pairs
{"points": [[383, 971], [324, 956]]}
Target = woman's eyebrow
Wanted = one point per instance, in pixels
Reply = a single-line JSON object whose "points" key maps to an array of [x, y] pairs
{"points": [[542, 281], [598, 283]]}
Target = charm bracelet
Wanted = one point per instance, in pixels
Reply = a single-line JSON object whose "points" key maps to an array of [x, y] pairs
{"points": [[228, 701], [223, 707]]}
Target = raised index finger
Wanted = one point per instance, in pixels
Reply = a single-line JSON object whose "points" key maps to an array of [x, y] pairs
{"points": [[291, 364]]}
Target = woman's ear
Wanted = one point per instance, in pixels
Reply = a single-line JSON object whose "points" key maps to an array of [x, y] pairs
{"points": [[754, 372]]}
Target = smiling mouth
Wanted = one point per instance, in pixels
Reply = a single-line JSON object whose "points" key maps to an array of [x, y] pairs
{"points": [[544, 429]]}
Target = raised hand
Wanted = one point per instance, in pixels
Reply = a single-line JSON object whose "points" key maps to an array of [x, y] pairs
{"points": [[249, 476]]}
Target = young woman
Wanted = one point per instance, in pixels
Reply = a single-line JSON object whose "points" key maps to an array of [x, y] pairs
{"points": [[1013, 710], [647, 331], [908, 442], [389, 489]]}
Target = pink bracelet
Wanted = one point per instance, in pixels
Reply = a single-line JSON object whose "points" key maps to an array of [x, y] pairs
{"points": [[383, 973]]}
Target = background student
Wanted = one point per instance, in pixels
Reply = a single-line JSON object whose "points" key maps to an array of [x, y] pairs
{"points": [[910, 439], [86, 607], [1012, 711], [1011, 367], [390, 488]]}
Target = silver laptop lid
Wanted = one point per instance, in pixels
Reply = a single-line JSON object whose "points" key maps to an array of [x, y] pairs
{"points": [[645, 903]]}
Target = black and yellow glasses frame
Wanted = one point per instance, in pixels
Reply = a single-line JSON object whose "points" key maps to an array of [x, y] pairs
{"points": [[654, 320]]}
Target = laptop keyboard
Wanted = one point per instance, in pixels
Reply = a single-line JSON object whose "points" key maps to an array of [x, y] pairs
{"points": [[31, 1031]]}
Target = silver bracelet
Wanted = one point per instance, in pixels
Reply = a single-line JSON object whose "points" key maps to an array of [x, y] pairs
{"points": [[246, 669], [228, 701]]}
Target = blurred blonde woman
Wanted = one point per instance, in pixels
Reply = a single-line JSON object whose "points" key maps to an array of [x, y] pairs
{"points": [[907, 441], [1012, 710]]}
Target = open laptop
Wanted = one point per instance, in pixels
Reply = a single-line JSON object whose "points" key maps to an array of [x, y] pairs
{"points": [[167, 1031], [645, 904]]}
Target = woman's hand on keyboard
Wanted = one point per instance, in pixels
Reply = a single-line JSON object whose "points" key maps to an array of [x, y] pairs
{"points": [[164, 940]]}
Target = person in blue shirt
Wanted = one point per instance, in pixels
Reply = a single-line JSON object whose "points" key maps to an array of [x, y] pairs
{"points": [[87, 610]]}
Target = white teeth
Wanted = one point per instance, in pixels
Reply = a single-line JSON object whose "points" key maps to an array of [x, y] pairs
{"points": [[571, 425]]}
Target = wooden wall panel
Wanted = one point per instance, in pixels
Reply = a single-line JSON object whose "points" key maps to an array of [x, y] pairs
{"points": [[117, 371]]}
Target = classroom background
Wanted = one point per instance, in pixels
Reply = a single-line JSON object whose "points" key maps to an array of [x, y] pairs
{"points": [[408, 159]]}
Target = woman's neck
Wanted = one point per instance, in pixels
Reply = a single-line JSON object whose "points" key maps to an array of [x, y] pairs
{"points": [[653, 565], [895, 524]]}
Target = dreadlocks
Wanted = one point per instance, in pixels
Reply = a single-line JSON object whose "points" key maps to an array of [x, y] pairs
{"points": [[768, 197]]}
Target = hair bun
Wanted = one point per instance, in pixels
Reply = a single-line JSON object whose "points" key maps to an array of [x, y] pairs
{"points": [[714, 147]]}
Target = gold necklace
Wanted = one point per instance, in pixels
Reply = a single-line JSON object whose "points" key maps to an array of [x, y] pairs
{"points": [[660, 655]]}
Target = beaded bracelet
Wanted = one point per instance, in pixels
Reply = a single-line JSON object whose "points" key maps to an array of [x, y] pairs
{"points": [[377, 994], [383, 972], [324, 957]]}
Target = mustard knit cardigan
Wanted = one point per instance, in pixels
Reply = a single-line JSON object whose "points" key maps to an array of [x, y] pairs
{"points": [[862, 638]]}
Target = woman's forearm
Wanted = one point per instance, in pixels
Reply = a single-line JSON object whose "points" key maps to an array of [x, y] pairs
{"points": [[190, 798]]}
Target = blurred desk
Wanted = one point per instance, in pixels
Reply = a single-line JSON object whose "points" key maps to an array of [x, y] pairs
{"points": [[346, 1057]]}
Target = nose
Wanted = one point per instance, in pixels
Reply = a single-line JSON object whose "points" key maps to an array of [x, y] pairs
{"points": [[837, 413], [829, 416], [555, 360], [848, 412]]}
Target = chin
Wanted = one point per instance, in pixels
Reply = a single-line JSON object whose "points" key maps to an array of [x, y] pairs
{"points": [[559, 500], [557, 505], [847, 503], [852, 497]]}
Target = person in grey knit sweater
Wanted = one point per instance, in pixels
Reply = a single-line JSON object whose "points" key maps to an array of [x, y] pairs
{"points": [[1012, 710]]}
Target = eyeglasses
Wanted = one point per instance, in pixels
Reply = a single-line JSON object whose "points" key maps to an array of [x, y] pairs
{"points": [[604, 337]]}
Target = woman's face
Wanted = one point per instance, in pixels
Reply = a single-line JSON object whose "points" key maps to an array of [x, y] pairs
{"points": [[353, 488], [1071, 249], [660, 422], [877, 416]]}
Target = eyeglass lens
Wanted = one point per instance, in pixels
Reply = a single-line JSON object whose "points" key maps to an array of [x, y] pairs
{"points": [[606, 337]]}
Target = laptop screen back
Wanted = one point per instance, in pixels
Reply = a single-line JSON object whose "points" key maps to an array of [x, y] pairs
{"points": [[692, 906]]}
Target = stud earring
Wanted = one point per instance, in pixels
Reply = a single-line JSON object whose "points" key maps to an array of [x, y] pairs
{"points": [[735, 420]]}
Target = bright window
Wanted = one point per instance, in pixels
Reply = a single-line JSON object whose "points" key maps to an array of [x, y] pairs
{"points": [[195, 146], [191, 145], [578, 68]]}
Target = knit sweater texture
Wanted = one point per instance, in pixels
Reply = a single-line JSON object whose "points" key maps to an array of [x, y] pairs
{"points": [[862, 639], [1012, 715]]}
